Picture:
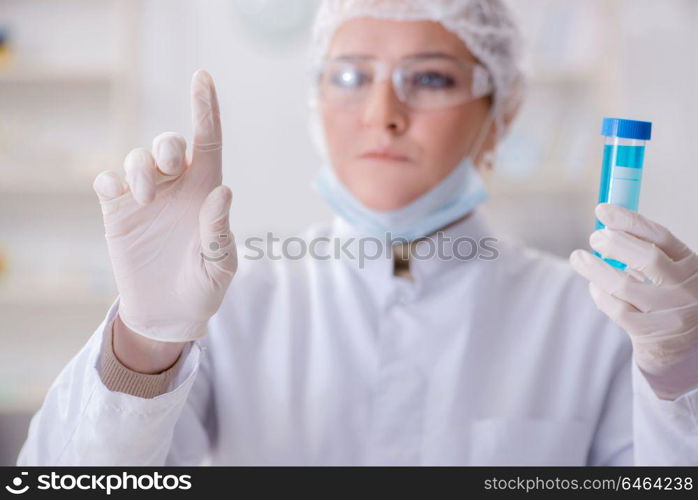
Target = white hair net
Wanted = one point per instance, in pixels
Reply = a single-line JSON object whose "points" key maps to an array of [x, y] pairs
{"points": [[486, 27]]}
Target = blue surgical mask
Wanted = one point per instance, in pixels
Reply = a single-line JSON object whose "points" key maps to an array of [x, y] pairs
{"points": [[456, 195]]}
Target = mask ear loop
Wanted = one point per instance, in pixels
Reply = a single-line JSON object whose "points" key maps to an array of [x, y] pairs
{"points": [[488, 157]]}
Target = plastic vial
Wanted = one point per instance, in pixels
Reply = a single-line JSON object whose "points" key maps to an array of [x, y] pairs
{"points": [[621, 171]]}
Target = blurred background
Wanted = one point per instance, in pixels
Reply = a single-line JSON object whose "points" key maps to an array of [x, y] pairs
{"points": [[84, 81]]}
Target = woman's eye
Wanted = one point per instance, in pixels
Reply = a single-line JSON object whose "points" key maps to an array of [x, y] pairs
{"points": [[433, 80], [349, 78]]}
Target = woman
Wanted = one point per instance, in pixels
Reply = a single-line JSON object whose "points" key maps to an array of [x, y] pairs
{"points": [[440, 356]]}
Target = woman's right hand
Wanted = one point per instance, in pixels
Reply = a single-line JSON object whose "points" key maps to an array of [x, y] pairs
{"points": [[167, 229]]}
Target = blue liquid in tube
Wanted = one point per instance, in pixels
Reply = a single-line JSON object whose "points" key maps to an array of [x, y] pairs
{"points": [[621, 178], [621, 169]]}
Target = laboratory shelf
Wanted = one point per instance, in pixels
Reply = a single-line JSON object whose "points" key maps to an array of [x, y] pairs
{"points": [[57, 298], [58, 75], [58, 191]]}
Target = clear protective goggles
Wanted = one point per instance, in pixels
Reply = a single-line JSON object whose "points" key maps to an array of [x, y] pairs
{"points": [[421, 82]]}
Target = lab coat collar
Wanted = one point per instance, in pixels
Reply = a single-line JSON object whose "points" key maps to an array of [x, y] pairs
{"points": [[457, 245]]}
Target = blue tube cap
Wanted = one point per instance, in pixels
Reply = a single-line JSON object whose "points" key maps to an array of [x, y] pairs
{"points": [[627, 129]]}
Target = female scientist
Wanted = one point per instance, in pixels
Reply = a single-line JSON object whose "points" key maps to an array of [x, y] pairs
{"points": [[382, 353]]}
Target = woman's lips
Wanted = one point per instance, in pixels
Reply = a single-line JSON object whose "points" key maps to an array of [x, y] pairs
{"points": [[384, 155]]}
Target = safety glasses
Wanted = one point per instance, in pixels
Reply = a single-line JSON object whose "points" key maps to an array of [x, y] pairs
{"points": [[421, 82]]}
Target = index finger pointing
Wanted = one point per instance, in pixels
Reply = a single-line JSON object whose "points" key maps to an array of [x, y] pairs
{"points": [[207, 141]]}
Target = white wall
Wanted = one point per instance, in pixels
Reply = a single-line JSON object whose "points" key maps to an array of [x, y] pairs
{"points": [[660, 81], [268, 158]]}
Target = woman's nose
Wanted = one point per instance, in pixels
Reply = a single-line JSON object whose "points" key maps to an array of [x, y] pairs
{"points": [[384, 110]]}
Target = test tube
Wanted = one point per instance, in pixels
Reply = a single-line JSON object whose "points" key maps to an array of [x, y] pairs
{"points": [[621, 171]]}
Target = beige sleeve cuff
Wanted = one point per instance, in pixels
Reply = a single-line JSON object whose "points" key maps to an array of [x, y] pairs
{"points": [[117, 377]]}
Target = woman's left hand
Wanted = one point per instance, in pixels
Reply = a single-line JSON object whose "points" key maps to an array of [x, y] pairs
{"points": [[660, 313]]}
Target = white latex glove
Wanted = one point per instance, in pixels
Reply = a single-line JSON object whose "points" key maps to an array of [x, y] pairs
{"points": [[167, 227], [658, 311]]}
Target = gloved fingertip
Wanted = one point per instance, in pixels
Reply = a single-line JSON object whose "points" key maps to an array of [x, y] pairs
{"points": [[227, 194], [220, 198], [609, 214], [601, 211], [203, 88], [108, 185], [598, 238], [579, 259], [202, 76], [575, 256], [170, 157], [215, 209]]}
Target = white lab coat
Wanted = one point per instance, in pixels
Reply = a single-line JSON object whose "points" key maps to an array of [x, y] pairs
{"points": [[312, 361]]}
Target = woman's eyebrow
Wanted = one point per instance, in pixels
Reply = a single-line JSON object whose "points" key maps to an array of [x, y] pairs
{"points": [[432, 54], [354, 56], [416, 55]]}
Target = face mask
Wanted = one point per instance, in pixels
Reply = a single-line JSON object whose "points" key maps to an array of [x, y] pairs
{"points": [[450, 199]]}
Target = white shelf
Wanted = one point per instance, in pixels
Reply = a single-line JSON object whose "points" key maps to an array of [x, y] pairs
{"points": [[57, 298], [60, 191], [73, 183], [57, 75]]}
